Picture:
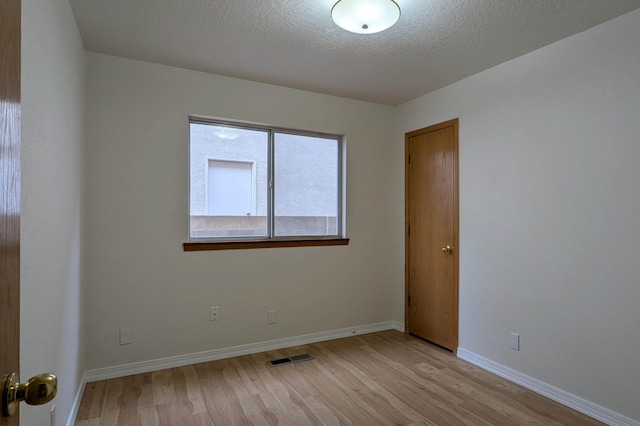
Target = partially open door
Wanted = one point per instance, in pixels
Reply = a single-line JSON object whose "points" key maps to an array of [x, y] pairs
{"points": [[40, 389]]}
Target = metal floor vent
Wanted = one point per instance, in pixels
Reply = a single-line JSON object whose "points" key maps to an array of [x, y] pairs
{"points": [[290, 360]]}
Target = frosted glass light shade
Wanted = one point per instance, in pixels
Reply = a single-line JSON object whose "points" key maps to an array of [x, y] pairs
{"points": [[365, 16]]}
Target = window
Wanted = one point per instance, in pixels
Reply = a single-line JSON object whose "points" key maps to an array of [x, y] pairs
{"points": [[251, 183]]}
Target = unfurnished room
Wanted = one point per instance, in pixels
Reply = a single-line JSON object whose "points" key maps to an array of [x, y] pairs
{"points": [[365, 212]]}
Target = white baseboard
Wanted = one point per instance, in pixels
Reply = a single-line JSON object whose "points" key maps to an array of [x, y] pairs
{"points": [[76, 401], [565, 398], [195, 358]]}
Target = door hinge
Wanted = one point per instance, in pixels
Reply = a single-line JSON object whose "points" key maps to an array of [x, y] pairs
{"points": [[409, 229], [409, 300], [409, 159]]}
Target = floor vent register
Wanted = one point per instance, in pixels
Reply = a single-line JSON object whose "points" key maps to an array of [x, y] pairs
{"points": [[290, 360]]}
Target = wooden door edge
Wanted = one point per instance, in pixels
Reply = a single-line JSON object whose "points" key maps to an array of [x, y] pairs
{"points": [[407, 306], [10, 36]]}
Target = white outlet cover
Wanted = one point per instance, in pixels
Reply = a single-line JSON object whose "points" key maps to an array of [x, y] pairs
{"points": [[125, 336], [514, 341], [215, 313]]}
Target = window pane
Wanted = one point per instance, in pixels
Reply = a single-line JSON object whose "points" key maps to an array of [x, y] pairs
{"points": [[305, 185], [228, 181]]}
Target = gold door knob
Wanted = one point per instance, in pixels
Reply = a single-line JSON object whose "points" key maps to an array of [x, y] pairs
{"points": [[447, 249], [37, 390]]}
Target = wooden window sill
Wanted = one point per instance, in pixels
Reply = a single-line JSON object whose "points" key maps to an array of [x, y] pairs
{"points": [[256, 244]]}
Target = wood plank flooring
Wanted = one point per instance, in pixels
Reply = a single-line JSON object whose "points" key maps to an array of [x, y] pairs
{"points": [[385, 378]]}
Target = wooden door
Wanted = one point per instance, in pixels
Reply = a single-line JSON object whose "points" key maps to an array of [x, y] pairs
{"points": [[431, 212], [9, 192]]}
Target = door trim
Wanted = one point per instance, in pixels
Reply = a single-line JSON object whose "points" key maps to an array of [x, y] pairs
{"points": [[456, 232]]}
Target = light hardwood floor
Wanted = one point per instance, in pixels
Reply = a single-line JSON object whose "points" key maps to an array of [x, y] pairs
{"points": [[385, 378]]}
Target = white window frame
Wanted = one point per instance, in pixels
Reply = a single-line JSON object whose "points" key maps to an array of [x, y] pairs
{"points": [[338, 239]]}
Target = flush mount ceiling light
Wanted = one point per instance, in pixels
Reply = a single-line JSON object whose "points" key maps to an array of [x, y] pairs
{"points": [[365, 16]]}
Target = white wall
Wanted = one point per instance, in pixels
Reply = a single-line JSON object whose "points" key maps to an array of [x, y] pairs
{"points": [[138, 276], [549, 210], [52, 146]]}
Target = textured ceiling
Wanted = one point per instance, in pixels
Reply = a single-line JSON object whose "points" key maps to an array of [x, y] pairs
{"points": [[294, 43]]}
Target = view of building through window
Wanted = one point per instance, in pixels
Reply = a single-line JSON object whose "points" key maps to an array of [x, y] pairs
{"points": [[237, 190]]}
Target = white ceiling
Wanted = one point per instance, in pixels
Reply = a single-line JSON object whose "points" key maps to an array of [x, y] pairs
{"points": [[294, 43]]}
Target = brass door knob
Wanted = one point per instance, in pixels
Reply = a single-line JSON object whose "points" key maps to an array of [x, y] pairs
{"points": [[37, 390], [447, 249]]}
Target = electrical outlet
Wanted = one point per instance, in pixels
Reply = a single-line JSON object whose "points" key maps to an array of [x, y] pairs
{"points": [[514, 341], [271, 317], [215, 313], [125, 336]]}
